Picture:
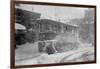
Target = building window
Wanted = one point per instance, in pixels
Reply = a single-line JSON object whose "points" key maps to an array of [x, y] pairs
{"points": [[66, 28]]}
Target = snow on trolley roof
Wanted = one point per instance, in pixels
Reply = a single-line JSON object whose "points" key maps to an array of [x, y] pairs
{"points": [[56, 22]]}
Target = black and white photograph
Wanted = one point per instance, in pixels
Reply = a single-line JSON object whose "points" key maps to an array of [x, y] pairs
{"points": [[50, 34]]}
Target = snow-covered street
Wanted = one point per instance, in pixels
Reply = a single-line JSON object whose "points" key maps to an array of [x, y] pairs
{"points": [[29, 54]]}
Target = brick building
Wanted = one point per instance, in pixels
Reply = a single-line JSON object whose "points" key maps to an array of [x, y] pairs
{"points": [[25, 18]]}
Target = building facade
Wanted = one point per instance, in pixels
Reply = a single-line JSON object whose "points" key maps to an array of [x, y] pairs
{"points": [[26, 19]]}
